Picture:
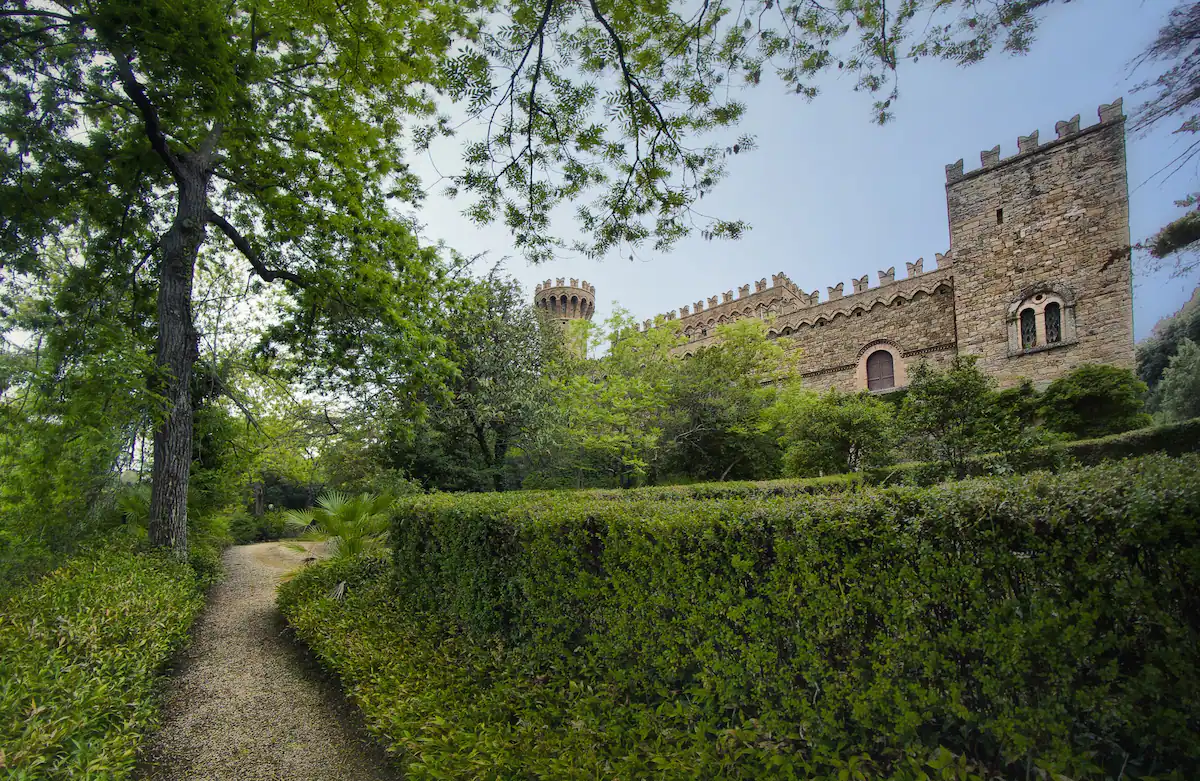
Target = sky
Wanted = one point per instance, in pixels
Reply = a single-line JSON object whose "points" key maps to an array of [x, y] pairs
{"points": [[832, 196]]}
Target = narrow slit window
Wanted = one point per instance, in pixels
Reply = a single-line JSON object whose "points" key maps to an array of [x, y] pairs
{"points": [[1028, 329], [1000, 216], [1053, 323]]}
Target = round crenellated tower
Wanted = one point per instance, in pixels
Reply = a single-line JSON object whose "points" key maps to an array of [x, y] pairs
{"points": [[563, 303]]}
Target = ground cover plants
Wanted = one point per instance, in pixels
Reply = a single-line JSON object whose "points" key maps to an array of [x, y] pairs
{"points": [[1039, 626], [80, 651]]}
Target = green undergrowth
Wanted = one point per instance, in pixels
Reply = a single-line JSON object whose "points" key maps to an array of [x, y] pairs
{"points": [[1036, 626], [447, 706], [80, 651]]}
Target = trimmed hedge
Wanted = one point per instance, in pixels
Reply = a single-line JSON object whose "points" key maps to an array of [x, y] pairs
{"points": [[79, 654], [1174, 439], [1045, 621]]}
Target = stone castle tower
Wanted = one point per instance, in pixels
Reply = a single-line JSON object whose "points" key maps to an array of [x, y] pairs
{"points": [[1036, 282], [563, 303]]}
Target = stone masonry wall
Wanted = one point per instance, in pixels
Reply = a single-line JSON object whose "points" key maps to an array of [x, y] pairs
{"points": [[914, 316], [1063, 231]]}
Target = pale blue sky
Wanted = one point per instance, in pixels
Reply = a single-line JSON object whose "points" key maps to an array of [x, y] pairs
{"points": [[832, 196]]}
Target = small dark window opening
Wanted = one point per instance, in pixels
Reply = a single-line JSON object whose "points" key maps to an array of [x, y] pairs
{"points": [[881, 373], [1053, 323], [1000, 216], [1028, 329]]}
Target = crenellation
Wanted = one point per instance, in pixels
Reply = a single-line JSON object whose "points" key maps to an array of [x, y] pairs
{"points": [[698, 307], [712, 301], [916, 268], [743, 291], [683, 311], [1111, 112], [727, 296], [1069, 127], [860, 284], [887, 277], [1026, 145], [760, 285], [835, 292]]}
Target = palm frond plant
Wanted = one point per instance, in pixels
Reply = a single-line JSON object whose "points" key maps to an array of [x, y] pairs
{"points": [[350, 524]]}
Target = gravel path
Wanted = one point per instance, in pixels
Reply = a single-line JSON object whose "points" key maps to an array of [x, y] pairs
{"points": [[246, 702]]}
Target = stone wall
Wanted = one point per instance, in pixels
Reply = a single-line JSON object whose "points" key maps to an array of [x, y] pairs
{"points": [[913, 317], [1052, 221]]}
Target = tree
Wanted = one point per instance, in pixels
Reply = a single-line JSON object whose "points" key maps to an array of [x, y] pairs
{"points": [[1179, 391], [1154, 353], [139, 124], [1176, 96], [833, 432], [949, 416], [459, 433], [722, 395], [608, 423], [1095, 400]]}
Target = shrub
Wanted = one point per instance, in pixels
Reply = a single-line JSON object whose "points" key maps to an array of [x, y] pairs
{"points": [[1095, 400], [79, 653], [834, 432], [952, 416], [1041, 622], [246, 528], [352, 524]]}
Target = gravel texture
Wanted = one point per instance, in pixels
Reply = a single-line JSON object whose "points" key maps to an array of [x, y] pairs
{"points": [[246, 703]]}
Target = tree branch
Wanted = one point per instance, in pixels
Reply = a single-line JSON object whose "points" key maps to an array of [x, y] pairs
{"points": [[137, 94], [239, 241]]}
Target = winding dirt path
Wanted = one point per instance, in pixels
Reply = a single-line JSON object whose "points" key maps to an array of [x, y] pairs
{"points": [[246, 703]]}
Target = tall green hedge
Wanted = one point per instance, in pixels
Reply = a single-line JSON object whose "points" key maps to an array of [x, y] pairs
{"points": [[1032, 622], [79, 654]]}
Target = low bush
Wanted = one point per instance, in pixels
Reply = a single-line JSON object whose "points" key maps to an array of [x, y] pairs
{"points": [[246, 528], [79, 654], [1043, 622]]}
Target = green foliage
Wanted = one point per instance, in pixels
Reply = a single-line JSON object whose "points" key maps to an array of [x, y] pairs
{"points": [[353, 525], [834, 432], [458, 434], [1173, 439], [1095, 400], [950, 417], [1154, 353], [1178, 394], [80, 652], [721, 397], [1003, 626]]}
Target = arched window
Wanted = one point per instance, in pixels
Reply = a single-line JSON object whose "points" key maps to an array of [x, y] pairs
{"points": [[1053, 322], [881, 372], [1028, 329]]}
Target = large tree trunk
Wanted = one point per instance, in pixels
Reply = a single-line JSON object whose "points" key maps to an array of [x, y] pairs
{"points": [[176, 355]]}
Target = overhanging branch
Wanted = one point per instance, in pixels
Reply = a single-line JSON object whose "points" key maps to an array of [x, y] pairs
{"points": [[260, 268], [133, 88]]}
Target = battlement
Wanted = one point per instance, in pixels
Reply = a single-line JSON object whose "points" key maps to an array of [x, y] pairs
{"points": [[561, 282], [563, 302], [1066, 130], [782, 296]]}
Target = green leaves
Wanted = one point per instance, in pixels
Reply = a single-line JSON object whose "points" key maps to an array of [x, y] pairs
{"points": [[80, 652], [985, 629]]}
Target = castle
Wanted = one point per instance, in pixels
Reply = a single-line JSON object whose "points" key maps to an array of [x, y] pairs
{"points": [[1037, 279]]}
